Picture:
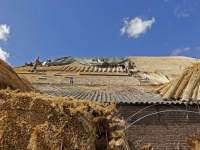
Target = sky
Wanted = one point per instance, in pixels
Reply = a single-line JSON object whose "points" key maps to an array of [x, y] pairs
{"points": [[98, 28]]}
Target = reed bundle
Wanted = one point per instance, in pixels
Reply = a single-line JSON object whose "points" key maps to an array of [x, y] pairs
{"points": [[9, 78], [184, 87], [36, 121]]}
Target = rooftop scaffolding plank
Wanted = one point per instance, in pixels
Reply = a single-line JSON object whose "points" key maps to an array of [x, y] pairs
{"points": [[57, 74], [103, 74], [35, 73], [43, 78]]}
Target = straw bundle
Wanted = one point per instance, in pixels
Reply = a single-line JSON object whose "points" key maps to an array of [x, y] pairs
{"points": [[174, 86], [184, 87], [157, 90], [9, 78], [193, 142], [36, 121], [166, 88], [183, 84], [198, 94], [191, 85]]}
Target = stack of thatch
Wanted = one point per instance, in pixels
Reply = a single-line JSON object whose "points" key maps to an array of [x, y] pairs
{"points": [[9, 78], [37, 121], [185, 87], [193, 142]]}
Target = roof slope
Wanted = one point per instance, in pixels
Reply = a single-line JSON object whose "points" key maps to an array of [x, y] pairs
{"points": [[169, 66]]}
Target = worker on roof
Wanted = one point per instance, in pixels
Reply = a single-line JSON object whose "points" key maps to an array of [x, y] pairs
{"points": [[127, 65], [37, 63]]}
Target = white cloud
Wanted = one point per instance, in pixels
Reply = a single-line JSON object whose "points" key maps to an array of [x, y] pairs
{"points": [[186, 49], [176, 52], [4, 32], [3, 55], [179, 11], [198, 48], [183, 14], [136, 26], [180, 51]]}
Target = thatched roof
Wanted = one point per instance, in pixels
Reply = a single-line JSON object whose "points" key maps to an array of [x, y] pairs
{"points": [[184, 87], [9, 78]]}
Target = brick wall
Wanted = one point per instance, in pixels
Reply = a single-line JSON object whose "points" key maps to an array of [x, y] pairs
{"points": [[163, 131]]}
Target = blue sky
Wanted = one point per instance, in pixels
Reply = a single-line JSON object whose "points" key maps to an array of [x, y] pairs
{"points": [[98, 28]]}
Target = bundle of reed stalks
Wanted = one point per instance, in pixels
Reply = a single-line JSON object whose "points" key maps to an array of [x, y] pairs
{"points": [[9, 78], [30, 120], [184, 87]]}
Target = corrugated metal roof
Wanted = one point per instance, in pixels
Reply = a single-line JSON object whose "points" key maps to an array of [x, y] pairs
{"points": [[129, 96]]}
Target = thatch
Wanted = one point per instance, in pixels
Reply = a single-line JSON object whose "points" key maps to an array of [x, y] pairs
{"points": [[193, 142], [9, 78], [185, 87], [37, 121]]}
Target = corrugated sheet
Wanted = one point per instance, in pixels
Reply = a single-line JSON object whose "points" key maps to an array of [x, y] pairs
{"points": [[126, 96]]}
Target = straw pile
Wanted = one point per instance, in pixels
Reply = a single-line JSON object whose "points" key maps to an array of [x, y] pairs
{"points": [[184, 87], [9, 78], [193, 142], [35, 121]]}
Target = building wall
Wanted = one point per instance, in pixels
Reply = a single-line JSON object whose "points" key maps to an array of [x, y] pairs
{"points": [[163, 131]]}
